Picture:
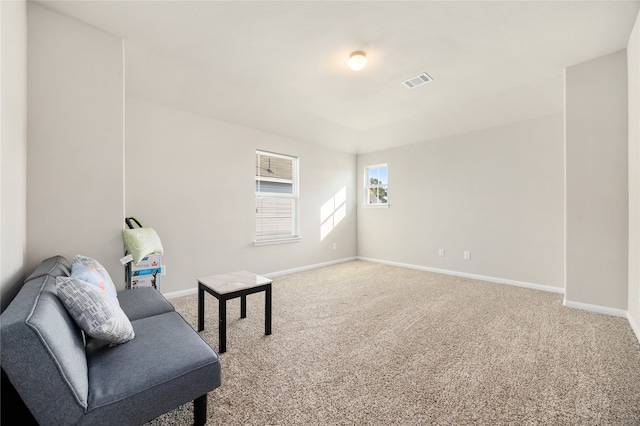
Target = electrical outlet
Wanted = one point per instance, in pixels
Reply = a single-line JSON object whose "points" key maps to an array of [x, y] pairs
{"points": [[467, 255], [441, 252], [334, 246]]}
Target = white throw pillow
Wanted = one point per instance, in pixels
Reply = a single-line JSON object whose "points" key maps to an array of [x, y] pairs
{"points": [[90, 270], [141, 242]]}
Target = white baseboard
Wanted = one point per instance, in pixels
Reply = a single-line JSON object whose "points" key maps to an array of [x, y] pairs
{"points": [[308, 267], [180, 293], [534, 286], [194, 290], [596, 308], [634, 325]]}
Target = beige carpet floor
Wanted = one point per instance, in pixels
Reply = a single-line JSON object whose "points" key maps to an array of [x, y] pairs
{"points": [[362, 343]]}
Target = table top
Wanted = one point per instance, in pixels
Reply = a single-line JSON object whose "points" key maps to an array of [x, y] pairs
{"points": [[227, 283]]}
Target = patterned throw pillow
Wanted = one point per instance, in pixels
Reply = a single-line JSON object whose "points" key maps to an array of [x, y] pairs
{"points": [[90, 270], [95, 311], [141, 242]]}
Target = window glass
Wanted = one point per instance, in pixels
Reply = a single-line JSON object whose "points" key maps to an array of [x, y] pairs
{"points": [[376, 182]]}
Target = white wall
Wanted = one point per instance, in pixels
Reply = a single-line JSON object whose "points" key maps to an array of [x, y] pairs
{"points": [[180, 168], [13, 147], [596, 182], [456, 193], [192, 178], [633, 71], [497, 193], [75, 149]]}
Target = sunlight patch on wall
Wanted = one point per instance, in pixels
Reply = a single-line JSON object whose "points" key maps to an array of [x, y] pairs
{"points": [[332, 212]]}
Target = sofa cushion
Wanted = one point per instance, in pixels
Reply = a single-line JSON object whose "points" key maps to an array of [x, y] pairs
{"points": [[166, 365], [143, 302], [95, 311]]}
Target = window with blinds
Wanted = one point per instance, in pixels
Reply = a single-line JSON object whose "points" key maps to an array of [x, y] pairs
{"points": [[276, 198]]}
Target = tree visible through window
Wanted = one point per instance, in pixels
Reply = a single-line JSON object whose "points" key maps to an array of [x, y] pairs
{"points": [[376, 181], [276, 197]]}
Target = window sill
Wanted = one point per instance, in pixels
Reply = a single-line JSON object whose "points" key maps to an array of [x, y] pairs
{"points": [[278, 241], [376, 206]]}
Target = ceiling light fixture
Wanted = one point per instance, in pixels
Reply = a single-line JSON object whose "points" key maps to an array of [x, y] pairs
{"points": [[357, 60]]}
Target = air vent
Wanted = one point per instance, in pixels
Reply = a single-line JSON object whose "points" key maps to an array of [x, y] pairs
{"points": [[418, 80]]}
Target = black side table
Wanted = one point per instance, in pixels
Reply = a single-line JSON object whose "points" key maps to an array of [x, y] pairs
{"points": [[229, 286]]}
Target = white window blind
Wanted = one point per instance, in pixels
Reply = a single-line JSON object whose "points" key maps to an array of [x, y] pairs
{"points": [[276, 197]]}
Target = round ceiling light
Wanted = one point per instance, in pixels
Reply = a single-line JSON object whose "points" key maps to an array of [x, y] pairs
{"points": [[357, 60]]}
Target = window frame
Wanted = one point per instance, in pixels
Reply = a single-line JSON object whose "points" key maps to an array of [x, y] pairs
{"points": [[368, 186], [294, 195]]}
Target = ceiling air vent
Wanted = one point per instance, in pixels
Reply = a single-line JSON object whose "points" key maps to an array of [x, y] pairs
{"points": [[418, 80]]}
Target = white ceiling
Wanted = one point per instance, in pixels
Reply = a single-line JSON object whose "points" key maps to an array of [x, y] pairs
{"points": [[281, 66]]}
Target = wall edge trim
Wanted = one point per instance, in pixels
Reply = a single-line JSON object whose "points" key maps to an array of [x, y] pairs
{"points": [[599, 309], [634, 326], [308, 267], [498, 280]]}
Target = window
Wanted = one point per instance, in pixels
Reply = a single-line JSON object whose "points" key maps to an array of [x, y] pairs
{"points": [[376, 182], [276, 198]]}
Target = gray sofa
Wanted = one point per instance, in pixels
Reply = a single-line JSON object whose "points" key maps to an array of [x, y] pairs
{"points": [[66, 378]]}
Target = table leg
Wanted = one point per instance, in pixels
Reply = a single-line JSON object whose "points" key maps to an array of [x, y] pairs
{"points": [[267, 311], [222, 324], [200, 308], [243, 306]]}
